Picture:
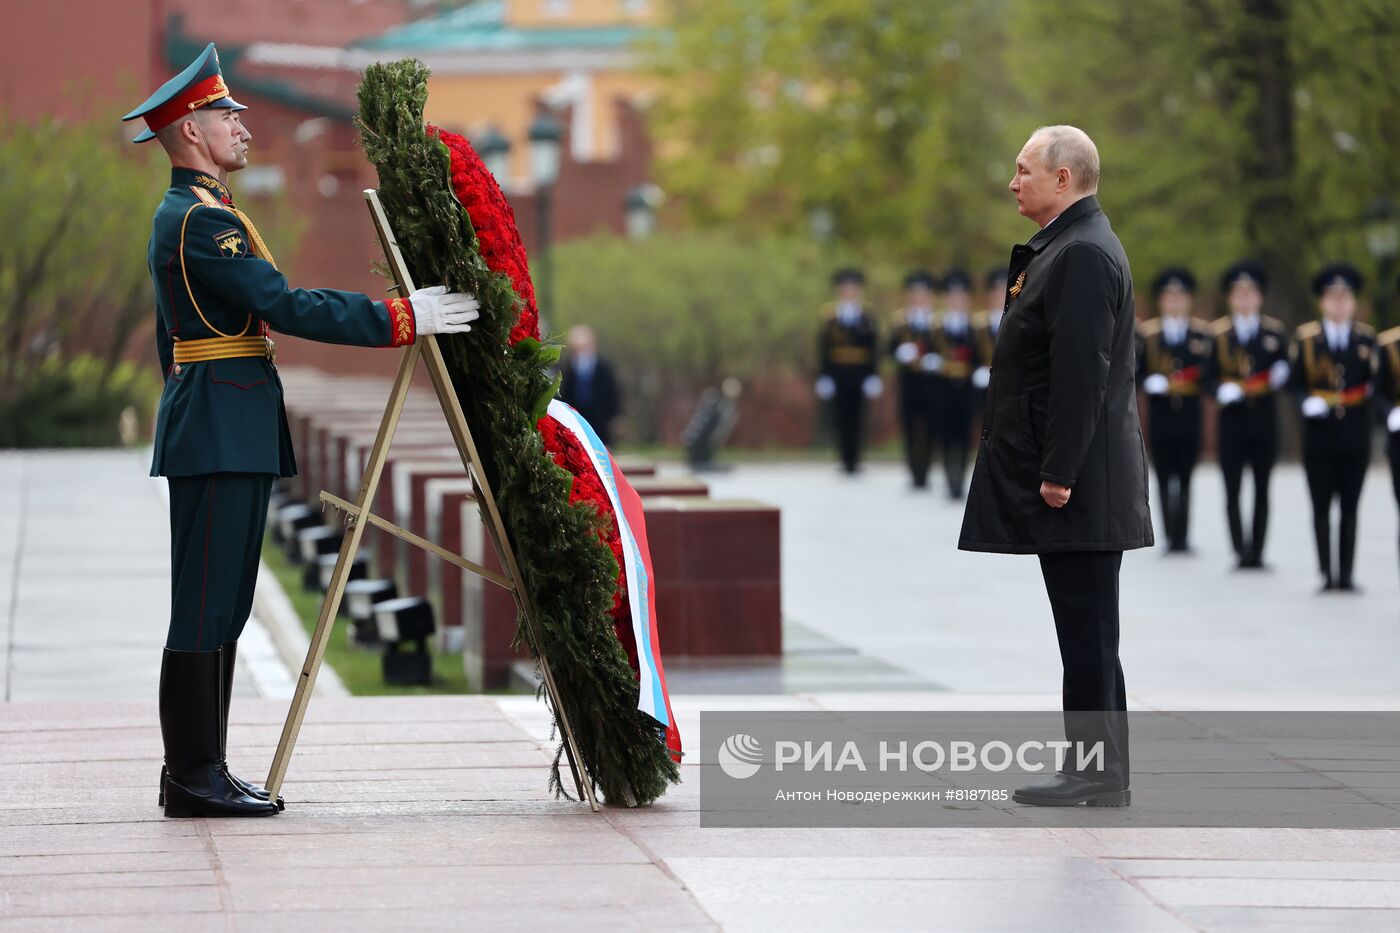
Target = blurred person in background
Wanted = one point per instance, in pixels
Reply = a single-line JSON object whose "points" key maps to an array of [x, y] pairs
{"points": [[986, 324], [589, 383], [1388, 398], [846, 376], [911, 345], [1172, 352], [955, 359], [1247, 366], [1333, 371]]}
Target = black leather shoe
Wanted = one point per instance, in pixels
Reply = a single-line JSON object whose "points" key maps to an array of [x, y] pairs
{"points": [[196, 779], [1067, 790], [228, 657]]}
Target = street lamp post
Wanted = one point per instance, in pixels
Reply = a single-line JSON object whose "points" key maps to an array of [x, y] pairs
{"points": [[1382, 226], [641, 206], [545, 138], [494, 149]]}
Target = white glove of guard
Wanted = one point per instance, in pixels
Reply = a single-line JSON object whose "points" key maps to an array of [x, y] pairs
{"points": [[1156, 384], [906, 353], [872, 386], [1314, 407], [1229, 393], [1392, 420], [981, 377], [1278, 374], [931, 363], [825, 388], [437, 311]]}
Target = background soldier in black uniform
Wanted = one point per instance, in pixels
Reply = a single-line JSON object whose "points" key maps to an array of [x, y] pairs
{"points": [[1333, 370], [1172, 352], [954, 359], [1388, 395], [1248, 364], [910, 345], [846, 351]]}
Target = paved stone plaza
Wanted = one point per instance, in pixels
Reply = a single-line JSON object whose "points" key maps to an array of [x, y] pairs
{"points": [[432, 813]]}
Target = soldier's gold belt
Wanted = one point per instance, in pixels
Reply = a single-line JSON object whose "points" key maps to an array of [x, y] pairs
{"points": [[223, 348]]}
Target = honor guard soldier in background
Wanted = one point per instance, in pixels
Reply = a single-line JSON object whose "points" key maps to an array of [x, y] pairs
{"points": [[1388, 396], [1247, 366], [221, 430], [1172, 352], [954, 360], [846, 351], [985, 327], [911, 345], [1334, 363]]}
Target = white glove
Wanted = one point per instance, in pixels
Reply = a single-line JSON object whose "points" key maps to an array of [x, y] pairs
{"points": [[438, 311], [1278, 374], [1314, 407], [931, 363], [826, 388], [906, 353], [981, 377], [1156, 384], [872, 386], [1229, 393], [1392, 420]]}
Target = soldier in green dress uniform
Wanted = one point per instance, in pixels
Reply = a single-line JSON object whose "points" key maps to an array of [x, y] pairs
{"points": [[221, 430]]}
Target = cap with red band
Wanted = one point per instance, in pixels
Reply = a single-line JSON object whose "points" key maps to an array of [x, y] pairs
{"points": [[198, 86]]}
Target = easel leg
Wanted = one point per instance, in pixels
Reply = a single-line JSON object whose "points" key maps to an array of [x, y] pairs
{"points": [[316, 651]]}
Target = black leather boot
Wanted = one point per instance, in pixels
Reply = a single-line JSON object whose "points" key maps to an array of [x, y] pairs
{"points": [[196, 779], [1068, 790], [228, 657]]}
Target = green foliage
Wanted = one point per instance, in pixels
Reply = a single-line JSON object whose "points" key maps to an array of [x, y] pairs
{"points": [[568, 571], [80, 402], [1225, 128]]}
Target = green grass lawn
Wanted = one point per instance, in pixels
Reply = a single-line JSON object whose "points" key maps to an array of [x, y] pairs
{"points": [[359, 669]]}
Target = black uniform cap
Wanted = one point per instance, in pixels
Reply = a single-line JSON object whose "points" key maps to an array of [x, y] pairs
{"points": [[920, 278], [1174, 277], [848, 277], [1247, 270], [1337, 273], [996, 279], [957, 278]]}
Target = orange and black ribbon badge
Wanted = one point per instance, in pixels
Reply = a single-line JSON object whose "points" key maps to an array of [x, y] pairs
{"points": [[402, 324], [1020, 284]]}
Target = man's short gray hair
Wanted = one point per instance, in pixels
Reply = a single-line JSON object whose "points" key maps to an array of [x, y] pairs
{"points": [[1070, 147]]}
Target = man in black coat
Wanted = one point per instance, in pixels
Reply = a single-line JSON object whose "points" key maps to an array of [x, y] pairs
{"points": [[589, 383], [1172, 352], [1333, 365], [1062, 471]]}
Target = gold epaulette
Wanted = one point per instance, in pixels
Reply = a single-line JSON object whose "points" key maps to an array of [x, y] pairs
{"points": [[1363, 329], [1308, 330], [1271, 323], [209, 200], [1150, 327], [1200, 325], [981, 320], [1220, 325], [1386, 337]]}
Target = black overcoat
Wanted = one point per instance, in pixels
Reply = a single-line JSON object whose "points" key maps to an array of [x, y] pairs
{"points": [[1062, 402]]}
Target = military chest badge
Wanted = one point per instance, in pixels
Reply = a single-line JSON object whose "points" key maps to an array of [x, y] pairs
{"points": [[1363, 351], [230, 243], [1020, 284], [1271, 343]]}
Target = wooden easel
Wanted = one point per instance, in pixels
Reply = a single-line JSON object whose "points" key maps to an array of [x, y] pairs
{"points": [[358, 515]]}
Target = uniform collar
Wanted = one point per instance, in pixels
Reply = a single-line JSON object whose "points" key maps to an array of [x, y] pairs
{"points": [[187, 177], [1089, 204]]}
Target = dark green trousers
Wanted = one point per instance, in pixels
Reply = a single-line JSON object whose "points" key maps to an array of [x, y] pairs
{"points": [[216, 531]]}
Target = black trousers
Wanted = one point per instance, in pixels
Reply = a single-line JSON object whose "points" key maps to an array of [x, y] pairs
{"points": [[848, 413], [1339, 475], [216, 531], [918, 419], [955, 432], [1083, 591], [1176, 447], [1393, 449], [1248, 437]]}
